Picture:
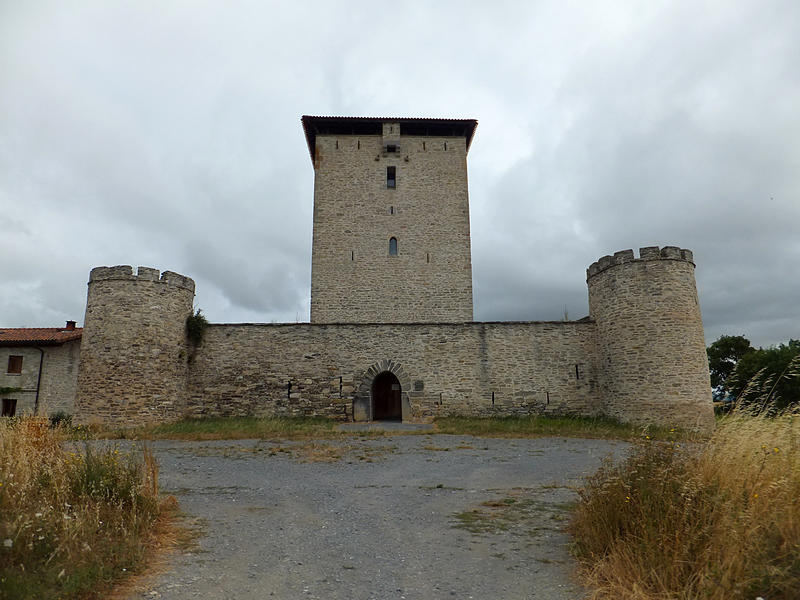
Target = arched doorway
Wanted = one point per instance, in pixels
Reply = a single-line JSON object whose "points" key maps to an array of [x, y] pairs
{"points": [[386, 398]]}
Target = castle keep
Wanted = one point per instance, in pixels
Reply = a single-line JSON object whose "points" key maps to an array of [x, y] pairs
{"points": [[391, 333]]}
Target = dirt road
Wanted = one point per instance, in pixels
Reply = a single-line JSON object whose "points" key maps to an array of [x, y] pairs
{"points": [[408, 517]]}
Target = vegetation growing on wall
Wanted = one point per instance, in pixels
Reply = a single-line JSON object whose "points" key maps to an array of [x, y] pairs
{"points": [[196, 325]]}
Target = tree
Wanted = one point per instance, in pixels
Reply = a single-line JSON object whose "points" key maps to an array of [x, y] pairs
{"points": [[768, 376], [723, 355]]}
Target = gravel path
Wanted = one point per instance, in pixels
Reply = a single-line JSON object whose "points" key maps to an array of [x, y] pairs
{"points": [[389, 517]]}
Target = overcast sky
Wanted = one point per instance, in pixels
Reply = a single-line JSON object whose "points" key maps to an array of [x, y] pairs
{"points": [[167, 134]]}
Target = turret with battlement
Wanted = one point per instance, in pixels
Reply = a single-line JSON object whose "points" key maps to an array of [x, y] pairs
{"points": [[133, 367], [652, 359]]}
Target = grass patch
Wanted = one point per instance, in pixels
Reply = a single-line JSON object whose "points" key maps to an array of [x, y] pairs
{"points": [[72, 524], [308, 428], [232, 428], [515, 514], [545, 426], [719, 519]]}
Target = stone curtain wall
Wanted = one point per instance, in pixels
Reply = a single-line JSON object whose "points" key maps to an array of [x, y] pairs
{"points": [[652, 356], [353, 277], [134, 356], [445, 369]]}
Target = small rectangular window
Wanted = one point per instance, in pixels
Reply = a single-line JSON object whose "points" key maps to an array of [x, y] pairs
{"points": [[391, 177], [9, 407], [391, 148], [14, 364]]}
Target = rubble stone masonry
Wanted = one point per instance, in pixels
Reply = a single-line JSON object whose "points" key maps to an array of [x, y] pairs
{"points": [[652, 357], [444, 369], [134, 356], [58, 381], [354, 278]]}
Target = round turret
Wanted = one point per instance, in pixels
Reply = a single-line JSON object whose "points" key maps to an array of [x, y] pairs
{"points": [[133, 367], [652, 357]]}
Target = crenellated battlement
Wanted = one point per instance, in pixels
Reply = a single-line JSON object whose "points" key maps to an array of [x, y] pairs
{"points": [[125, 273], [647, 253]]}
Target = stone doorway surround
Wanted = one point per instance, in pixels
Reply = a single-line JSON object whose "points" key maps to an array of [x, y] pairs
{"points": [[362, 401]]}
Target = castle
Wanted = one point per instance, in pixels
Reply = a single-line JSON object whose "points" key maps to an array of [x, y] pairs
{"points": [[391, 333]]}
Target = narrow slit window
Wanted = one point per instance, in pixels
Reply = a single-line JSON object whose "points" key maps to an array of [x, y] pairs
{"points": [[352, 254], [423, 145], [393, 246], [427, 257], [14, 365], [358, 144], [391, 177], [391, 210], [337, 144], [445, 145]]}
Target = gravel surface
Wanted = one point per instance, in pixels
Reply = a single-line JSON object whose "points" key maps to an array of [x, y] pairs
{"points": [[414, 516]]}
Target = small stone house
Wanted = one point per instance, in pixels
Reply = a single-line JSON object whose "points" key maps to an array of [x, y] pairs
{"points": [[39, 369]]}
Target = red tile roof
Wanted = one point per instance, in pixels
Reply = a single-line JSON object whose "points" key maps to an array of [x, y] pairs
{"points": [[38, 336]]}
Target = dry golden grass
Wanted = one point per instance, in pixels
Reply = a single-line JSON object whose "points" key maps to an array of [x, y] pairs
{"points": [[719, 519], [72, 523]]}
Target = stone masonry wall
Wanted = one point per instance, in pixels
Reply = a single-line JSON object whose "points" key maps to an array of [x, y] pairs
{"points": [[60, 378], [134, 355], [444, 369], [353, 277], [26, 380], [58, 382], [652, 358]]}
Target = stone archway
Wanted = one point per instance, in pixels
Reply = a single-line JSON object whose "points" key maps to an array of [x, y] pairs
{"points": [[362, 399]]}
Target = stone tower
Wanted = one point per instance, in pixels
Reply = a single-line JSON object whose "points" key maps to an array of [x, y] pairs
{"points": [[134, 365], [651, 350], [391, 220]]}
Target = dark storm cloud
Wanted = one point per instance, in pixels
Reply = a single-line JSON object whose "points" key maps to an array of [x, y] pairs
{"points": [[168, 135]]}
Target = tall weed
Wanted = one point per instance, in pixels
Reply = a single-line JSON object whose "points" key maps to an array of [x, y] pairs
{"points": [[718, 519], [71, 521]]}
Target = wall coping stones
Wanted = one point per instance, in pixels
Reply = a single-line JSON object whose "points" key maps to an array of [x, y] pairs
{"points": [[645, 254], [583, 321]]}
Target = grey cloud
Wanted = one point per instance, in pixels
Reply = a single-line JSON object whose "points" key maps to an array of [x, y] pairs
{"points": [[170, 137]]}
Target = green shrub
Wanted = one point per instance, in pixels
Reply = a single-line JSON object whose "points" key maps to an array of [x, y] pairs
{"points": [[60, 418], [196, 325]]}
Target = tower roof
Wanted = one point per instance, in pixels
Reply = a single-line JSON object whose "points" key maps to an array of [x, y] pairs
{"points": [[313, 125]]}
